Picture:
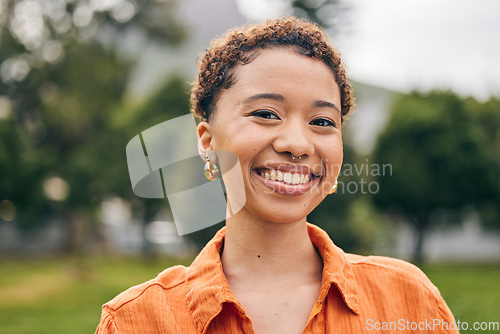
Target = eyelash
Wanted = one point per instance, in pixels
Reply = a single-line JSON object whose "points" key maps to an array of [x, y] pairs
{"points": [[266, 114], [261, 113], [328, 122]]}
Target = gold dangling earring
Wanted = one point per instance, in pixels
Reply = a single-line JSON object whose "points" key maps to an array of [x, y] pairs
{"points": [[334, 188], [211, 171]]}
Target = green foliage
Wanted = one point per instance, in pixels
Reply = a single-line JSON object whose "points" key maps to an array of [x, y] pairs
{"points": [[487, 116], [170, 100], [441, 156], [20, 173], [60, 127], [40, 31], [78, 101], [66, 82]]}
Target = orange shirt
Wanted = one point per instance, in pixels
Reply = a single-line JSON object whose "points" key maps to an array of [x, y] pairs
{"points": [[358, 295]]}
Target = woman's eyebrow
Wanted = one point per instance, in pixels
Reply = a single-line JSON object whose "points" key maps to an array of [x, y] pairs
{"points": [[280, 98], [326, 104], [265, 96]]}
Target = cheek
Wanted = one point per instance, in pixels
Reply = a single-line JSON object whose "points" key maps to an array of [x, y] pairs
{"points": [[332, 158], [241, 148], [244, 140], [221, 138]]}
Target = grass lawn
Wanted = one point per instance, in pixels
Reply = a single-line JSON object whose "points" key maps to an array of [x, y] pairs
{"points": [[471, 291], [65, 296]]}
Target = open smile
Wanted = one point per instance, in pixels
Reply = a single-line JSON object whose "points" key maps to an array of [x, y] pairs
{"points": [[286, 182]]}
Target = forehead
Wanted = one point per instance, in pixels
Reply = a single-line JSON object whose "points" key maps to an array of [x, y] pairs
{"points": [[276, 58], [284, 70]]}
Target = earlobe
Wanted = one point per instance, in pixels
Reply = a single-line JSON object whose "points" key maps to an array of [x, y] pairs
{"points": [[204, 137]]}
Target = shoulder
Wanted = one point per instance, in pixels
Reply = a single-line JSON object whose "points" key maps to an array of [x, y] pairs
{"points": [[391, 271], [385, 264], [161, 286], [397, 284], [147, 307]]}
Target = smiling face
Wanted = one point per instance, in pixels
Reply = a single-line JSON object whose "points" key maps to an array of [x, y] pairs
{"points": [[282, 105]]}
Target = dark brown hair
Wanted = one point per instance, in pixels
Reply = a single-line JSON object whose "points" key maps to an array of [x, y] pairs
{"points": [[216, 68]]}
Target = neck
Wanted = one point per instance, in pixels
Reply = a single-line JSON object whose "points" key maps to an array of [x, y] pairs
{"points": [[258, 249]]}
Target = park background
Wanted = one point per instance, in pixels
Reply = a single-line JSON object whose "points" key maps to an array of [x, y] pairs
{"points": [[80, 78]]}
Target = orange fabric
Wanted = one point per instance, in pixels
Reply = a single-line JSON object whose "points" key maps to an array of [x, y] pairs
{"points": [[358, 295]]}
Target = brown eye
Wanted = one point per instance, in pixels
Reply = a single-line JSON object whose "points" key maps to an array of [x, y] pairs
{"points": [[322, 122], [265, 114]]}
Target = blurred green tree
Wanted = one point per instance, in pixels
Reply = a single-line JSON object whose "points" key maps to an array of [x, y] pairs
{"points": [[20, 175], [36, 32], [63, 114], [169, 101], [487, 116], [64, 72], [440, 157]]}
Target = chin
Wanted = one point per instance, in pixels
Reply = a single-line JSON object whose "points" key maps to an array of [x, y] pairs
{"points": [[284, 217]]}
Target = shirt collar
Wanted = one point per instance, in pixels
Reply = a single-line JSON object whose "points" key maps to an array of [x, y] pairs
{"points": [[337, 270], [208, 288]]}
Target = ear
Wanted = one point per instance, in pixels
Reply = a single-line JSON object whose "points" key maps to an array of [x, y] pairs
{"points": [[205, 137]]}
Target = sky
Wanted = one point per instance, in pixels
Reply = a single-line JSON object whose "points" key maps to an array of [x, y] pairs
{"points": [[416, 44]]}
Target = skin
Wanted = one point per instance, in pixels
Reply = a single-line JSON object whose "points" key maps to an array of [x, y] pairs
{"points": [[282, 103]]}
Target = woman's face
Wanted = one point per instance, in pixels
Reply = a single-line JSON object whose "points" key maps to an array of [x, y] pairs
{"points": [[281, 104]]}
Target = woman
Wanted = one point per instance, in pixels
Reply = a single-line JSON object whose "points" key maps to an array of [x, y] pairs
{"points": [[276, 95]]}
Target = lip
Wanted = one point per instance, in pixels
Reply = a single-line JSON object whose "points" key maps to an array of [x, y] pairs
{"points": [[284, 188]]}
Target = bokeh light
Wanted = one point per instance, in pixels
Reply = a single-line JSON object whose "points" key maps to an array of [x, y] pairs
{"points": [[56, 188], [7, 210]]}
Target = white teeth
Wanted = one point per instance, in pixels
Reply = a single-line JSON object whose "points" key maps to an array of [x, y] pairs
{"points": [[287, 178], [275, 175]]}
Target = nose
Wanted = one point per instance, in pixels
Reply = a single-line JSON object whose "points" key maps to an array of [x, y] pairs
{"points": [[293, 138]]}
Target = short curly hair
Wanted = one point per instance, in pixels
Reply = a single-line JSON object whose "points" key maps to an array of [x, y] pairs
{"points": [[236, 47]]}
